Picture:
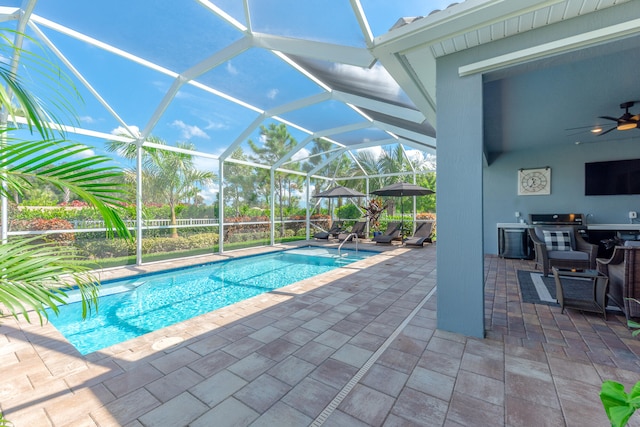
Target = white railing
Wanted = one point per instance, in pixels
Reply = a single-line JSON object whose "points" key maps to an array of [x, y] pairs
{"points": [[88, 226], [91, 223]]}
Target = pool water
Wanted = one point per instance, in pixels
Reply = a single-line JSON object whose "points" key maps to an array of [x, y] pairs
{"points": [[135, 306]]}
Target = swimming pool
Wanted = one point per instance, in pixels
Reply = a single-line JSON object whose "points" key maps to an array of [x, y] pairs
{"points": [[137, 305]]}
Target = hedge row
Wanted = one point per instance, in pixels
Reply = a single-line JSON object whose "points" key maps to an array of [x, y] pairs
{"points": [[113, 248], [46, 225]]}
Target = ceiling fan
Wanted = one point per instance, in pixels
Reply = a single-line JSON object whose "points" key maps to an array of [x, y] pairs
{"points": [[626, 121]]}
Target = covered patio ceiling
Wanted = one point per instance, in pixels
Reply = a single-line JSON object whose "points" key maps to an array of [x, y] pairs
{"points": [[553, 93]]}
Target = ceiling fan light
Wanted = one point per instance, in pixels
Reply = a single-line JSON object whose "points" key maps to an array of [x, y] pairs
{"points": [[627, 125], [596, 130]]}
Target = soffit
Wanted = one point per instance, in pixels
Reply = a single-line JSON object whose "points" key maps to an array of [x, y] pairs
{"points": [[518, 118]]}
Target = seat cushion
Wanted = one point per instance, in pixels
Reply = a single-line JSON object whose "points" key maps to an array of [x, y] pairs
{"points": [[557, 240], [568, 255]]}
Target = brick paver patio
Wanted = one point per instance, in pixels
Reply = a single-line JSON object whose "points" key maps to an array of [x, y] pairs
{"points": [[357, 346]]}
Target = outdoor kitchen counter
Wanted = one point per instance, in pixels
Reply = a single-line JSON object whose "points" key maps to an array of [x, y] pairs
{"points": [[512, 225], [613, 227], [513, 241], [607, 227]]}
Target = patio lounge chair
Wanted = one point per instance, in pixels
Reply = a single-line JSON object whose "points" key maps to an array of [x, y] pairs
{"points": [[358, 228], [421, 235], [392, 233], [336, 228]]}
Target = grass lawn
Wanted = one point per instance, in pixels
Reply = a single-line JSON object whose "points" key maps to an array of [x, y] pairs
{"points": [[161, 256]]}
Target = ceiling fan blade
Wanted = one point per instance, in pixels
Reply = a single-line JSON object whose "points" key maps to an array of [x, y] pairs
{"points": [[582, 132], [607, 131], [583, 127], [615, 119], [635, 118]]}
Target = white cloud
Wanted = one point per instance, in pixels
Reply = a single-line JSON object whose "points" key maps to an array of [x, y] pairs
{"points": [[215, 125], [210, 193], [272, 93], [183, 95], [162, 86], [422, 160], [122, 131], [87, 153], [206, 164], [231, 69], [87, 119], [376, 152], [415, 156], [188, 131], [300, 155]]}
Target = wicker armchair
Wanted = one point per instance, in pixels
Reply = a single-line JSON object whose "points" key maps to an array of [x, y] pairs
{"points": [[623, 270], [577, 254]]}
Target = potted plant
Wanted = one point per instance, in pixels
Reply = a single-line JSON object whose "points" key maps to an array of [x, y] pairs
{"points": [[372, 212], [618, 404]]}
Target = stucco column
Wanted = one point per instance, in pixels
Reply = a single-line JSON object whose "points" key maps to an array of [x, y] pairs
{"points": [[460, 257]]}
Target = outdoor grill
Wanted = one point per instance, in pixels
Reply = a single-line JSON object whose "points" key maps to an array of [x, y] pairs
{"points": [[549, 220], [573, 219]]}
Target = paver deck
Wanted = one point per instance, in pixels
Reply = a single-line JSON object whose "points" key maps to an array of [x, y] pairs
{"points": [[357, 346]]}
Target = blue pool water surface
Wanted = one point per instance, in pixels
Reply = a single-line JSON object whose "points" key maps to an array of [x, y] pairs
{"points": [[135, 306]]}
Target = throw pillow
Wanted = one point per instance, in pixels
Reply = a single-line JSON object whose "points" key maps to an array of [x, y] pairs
{"points": [[557, 240]]}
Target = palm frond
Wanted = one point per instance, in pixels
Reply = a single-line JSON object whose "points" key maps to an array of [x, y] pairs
{"points": [[98, 186], [35, 277], [19, 101]]}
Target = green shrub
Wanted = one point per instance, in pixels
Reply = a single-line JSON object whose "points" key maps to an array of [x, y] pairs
{"points": [[205, 240], [52, 224], [349, 211], [164, 244], [107, 248], [247, 237]]}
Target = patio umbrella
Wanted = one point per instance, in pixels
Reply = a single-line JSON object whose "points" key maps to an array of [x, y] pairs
{"points": [[401, 189], [338, 191]]}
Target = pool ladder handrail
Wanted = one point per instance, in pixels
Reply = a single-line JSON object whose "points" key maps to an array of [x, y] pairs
{"points": [[346, 240]]}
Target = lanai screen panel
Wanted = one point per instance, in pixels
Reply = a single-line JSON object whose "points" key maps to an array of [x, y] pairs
{"points": [[212, 73]]}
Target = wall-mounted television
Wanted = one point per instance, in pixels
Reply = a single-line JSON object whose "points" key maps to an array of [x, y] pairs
{"points": [[612, 177]]}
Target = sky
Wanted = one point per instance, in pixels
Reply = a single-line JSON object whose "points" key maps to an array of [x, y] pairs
{"points": [[124, 93]]}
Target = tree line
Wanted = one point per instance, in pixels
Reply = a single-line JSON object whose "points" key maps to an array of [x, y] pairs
{"points": [[172, 179]]}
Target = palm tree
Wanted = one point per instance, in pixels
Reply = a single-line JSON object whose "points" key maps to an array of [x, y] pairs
{"points": [[427, 203], [391, 160], [240, 183], [320, 153], [372, 166], [278, 142], [34, 275], [169, 176]]}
